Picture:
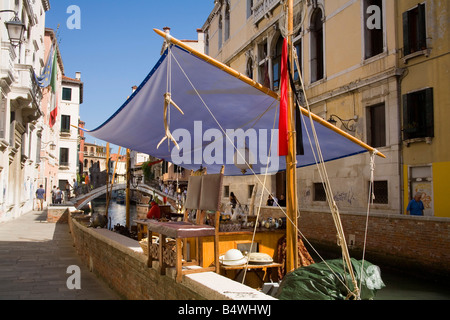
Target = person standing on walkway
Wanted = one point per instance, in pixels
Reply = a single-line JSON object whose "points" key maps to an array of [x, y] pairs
{"points": [[58, 196], [67, 187], [75, 187], [40, 194], [415, 206], [54, 195]]}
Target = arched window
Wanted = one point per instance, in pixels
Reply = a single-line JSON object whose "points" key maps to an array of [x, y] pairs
{"points": [[207, 42], [298, 40], [220, 32], [317, 52], [227, 22], [249, 70], [277, 64]]}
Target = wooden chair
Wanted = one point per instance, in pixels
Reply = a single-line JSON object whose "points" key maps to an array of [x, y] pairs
{"points": [[203, 194]]}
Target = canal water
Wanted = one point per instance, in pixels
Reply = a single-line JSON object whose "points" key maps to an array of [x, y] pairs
{"points": [[399, 286], [116, 212]]}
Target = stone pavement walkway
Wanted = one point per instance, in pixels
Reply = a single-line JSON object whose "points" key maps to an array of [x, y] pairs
{"points": [[34, 257]]}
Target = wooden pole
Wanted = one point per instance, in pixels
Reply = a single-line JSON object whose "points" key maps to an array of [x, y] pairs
{"points": [[291, 166], [128, 194], [107, 179]]}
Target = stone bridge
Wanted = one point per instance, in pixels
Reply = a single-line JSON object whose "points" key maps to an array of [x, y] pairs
{"points": [[82, 200]]}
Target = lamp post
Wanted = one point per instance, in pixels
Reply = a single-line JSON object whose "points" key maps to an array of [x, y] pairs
{"points": [[52, 145], [15, 28], [345, 123]]}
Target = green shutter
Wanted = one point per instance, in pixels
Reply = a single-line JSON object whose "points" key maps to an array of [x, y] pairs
{"points": [[422, 29], [406, 47], [405, 117], [429, 112]]}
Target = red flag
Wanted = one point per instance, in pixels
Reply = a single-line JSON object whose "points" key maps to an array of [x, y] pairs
{"points": [[283, 135]]}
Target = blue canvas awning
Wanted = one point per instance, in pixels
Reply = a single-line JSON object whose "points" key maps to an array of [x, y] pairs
{"points": [[213, 102]]}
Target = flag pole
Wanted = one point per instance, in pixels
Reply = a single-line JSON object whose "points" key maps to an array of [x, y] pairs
{"points": [[292, 262]]}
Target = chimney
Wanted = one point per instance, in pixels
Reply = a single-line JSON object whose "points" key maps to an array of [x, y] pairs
{"points": [[78, 75], [201, 35]]}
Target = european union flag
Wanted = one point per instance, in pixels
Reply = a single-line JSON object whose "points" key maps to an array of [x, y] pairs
{"points": [[46, 77]]}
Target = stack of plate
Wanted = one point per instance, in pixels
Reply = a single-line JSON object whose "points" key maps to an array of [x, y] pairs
{"points": [[233, 257], [259, 258]]}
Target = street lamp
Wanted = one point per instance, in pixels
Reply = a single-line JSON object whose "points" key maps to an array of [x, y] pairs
{"points": [[345, 123], [15, 28], [52, 146]]}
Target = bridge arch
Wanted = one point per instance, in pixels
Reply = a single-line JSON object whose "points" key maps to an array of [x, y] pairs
{"points": [[82, 200]]}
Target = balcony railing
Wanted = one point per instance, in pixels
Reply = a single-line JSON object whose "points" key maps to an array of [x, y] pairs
{"points": [[27, 80], [263, 7], [7, 57]]}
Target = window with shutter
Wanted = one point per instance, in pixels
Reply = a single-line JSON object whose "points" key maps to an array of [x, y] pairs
{"points": [[373, 28], [67, 94], [64, 157], [377, 126], [65, 123], [317, 48], [418, 114], [414, 30]]}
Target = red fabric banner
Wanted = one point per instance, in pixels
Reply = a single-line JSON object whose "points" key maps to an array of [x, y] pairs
{"points": [[284, 103]]}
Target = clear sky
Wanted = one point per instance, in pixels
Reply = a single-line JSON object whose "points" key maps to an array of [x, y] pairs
{"points": [[116, 47]]}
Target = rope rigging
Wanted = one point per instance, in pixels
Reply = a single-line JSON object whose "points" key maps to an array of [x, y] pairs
{"points": [[322, 172]]}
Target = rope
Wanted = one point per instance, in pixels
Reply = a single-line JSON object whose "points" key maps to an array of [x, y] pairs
{"points": [[371, 197], [167, 103], [261, 199], [327, 186]]}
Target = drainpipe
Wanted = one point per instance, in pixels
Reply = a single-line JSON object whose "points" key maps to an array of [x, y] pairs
{"points": [[400, 76]]}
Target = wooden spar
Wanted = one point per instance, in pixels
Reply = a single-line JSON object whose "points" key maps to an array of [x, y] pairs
{"points": [[291, 165], [262, 88], [128, 193], [218, 64]]}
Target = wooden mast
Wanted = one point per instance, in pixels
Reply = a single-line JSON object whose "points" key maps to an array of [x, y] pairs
{"points": [[128, 191], [107, 179], [291, 162]]}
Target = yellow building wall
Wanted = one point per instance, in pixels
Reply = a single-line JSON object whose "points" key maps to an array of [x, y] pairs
{"points": [[430, 71], [406, 198], [440, 185], [441, 178]]}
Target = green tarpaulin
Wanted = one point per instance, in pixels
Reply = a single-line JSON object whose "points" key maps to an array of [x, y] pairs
{"points": [[330, 281]]}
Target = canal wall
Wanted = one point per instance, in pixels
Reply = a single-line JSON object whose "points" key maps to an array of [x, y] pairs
{"points": [[120, 262], [416, 245]]}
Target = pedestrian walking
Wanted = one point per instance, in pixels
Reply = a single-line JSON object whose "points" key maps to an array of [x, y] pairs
{"points": [[40, 194]]}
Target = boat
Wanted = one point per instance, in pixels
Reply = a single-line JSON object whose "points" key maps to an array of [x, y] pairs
{"points": [[188, 93], [120, 198]]}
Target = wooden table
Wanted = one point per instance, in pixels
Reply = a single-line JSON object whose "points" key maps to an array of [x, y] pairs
{"points": [[252, 268], [177, 231]]}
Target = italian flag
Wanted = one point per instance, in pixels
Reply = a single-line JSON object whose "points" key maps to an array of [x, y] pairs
{"points": [[53, 102]]}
